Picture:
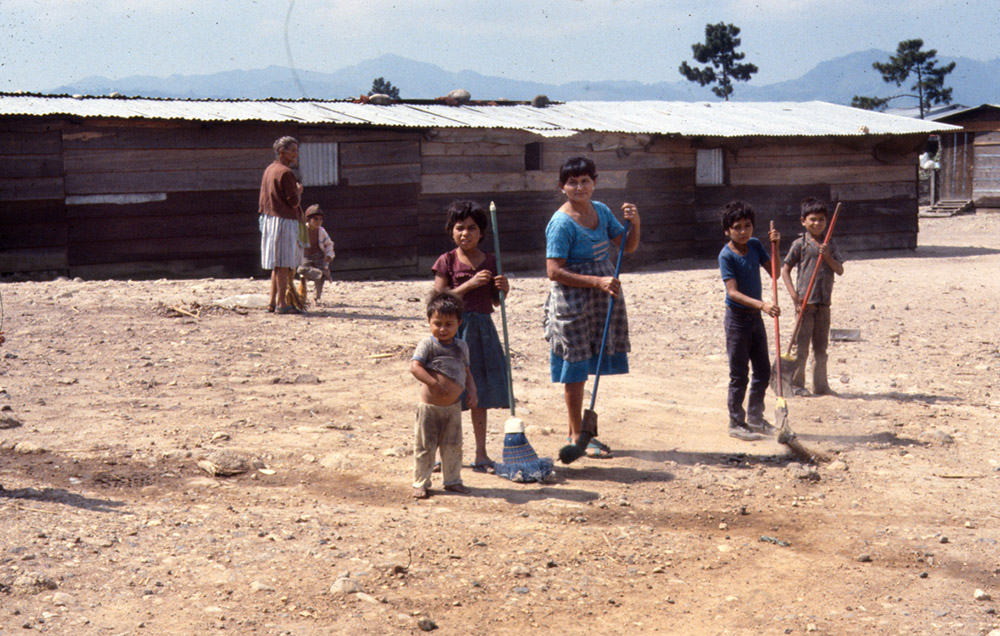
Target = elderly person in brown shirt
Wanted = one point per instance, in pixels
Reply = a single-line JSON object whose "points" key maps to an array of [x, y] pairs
{"points": [[280, 214]]}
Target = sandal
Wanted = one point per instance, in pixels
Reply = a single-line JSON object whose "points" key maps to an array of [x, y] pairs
{"points": [[436, 468], [270, 309], [598, 450], [488, 466], [461, 489], [421, 493]]}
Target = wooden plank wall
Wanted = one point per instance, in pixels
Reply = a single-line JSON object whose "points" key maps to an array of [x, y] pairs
{"points": [[194, 189], [146, 198], [32, 212], [986, 172], [875, 178], [484, 165]]}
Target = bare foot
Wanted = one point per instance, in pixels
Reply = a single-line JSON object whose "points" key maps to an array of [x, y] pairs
{"points": [[421, 493], [461, 489]]}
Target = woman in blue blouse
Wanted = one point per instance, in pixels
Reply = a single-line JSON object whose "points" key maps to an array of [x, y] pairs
{"points": [[578, 243]]}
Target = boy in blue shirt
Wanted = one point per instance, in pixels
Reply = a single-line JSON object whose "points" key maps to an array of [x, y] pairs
{"points": [[746, 340]]}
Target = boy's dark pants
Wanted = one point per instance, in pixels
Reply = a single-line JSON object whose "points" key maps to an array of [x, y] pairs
{"points": [[746, 344], [815, 328]]}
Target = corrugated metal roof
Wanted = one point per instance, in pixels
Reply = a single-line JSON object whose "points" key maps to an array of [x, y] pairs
{"points": [[717, 119]]}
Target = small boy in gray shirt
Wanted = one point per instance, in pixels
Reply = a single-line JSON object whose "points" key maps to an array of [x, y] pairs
{"points": [[441, 364], [807, 254]]}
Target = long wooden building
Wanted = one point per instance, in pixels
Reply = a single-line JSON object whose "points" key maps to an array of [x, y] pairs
{"points": [[129, 187]]}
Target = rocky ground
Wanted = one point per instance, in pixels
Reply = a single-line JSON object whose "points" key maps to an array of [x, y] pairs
{"points": [[122, 398]]}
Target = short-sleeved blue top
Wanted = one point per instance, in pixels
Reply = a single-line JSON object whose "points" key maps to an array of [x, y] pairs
{"points": [[745, 269], [567, 239]]}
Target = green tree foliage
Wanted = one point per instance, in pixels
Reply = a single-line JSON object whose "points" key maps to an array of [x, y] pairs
{"points": [[909, 59], [719, 50], [381, 86]]}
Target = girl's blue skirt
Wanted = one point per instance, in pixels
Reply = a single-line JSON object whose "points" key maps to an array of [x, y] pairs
{"points": [[486, 359]]}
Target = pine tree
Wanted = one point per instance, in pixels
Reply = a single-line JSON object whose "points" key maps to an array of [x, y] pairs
{"points": [[381, 86], [719, 49], [928, 89]]}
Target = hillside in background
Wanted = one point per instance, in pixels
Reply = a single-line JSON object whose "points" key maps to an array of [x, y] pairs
{"points": [[836, 81]]}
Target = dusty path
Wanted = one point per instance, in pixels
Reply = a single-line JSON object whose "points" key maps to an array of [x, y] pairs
{"points": [[122, 396]]}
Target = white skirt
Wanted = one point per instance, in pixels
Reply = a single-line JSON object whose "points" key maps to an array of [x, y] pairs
{"points": [[279, 242]]}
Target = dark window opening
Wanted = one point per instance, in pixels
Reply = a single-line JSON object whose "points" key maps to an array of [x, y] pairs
{"points": [[533, 156]]}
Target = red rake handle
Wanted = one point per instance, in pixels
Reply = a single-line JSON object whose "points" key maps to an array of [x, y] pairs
{"points": [[812, 280], [774, 299]]}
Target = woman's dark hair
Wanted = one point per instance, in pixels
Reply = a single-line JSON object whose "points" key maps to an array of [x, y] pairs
{"points": [[445, 304], [735, 211], [577, 167], [461, 210]]}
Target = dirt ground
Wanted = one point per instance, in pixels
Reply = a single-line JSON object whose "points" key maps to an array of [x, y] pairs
{"points": [[108, 525]]}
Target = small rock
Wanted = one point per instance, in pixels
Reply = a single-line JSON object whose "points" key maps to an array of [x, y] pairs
{"points": [[426, 624], [220, 435], [380, 99], [864, 558], [399, 451], [943, 540], [837, 466], [845, 379], [28, 448], [62, 599], [306, 378], [520, 571], [367, 598], [336, 462], [9, 422], [935, 436], [723, 526], [460, 95], [32, 583], [257, 586], [224, 464], [982, 595], [345, 586]]}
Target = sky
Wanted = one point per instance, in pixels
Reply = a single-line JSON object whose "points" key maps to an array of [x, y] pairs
{"points": [[48, 43]]}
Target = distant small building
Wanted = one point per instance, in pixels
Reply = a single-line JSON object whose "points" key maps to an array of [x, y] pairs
{"points": [[970, 157], [116, 187]]}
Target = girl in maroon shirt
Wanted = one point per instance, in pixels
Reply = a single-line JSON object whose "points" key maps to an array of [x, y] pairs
{"points": [[470, 273]]}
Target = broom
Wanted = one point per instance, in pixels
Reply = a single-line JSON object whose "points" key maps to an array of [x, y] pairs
{"points": [[791, 359], [786, 436], [588, 429], [520, 462]]}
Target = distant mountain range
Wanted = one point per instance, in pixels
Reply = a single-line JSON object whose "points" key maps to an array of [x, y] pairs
{"points": [[835, 81]]}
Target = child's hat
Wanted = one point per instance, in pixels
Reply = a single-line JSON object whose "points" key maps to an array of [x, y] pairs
{"points": [[314, 210]]}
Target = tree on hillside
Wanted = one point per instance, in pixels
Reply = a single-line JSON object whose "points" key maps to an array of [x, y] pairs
{"points": [[381, 86], [719, 49], [929, 87]]}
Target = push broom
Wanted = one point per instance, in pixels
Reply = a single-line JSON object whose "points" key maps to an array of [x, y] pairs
{"points": [[791, 357], [520, 461], [785, 434], [588, 430]]}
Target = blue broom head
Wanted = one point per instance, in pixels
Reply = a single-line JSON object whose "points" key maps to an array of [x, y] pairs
{"points": [[520, 462]]}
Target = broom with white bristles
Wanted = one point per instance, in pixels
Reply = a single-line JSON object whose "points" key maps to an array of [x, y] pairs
{"points": [[520, 462]]}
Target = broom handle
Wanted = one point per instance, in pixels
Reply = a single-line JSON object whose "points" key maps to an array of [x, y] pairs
{"points": [[503, 306], [774, 299], [607, 321], [812, 280]]}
